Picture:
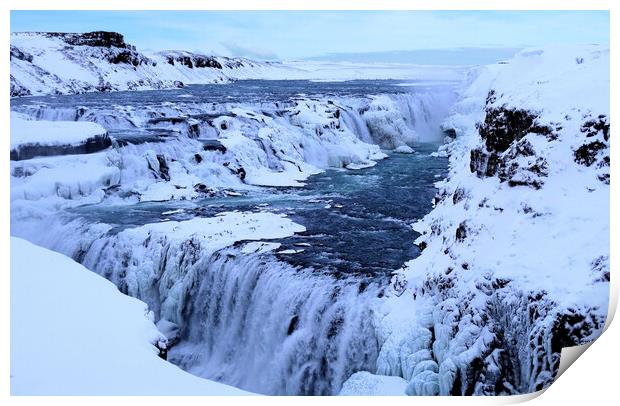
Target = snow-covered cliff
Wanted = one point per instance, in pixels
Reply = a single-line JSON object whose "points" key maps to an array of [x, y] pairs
{"points": [[65, 63], [68, 63], [516, 252]]}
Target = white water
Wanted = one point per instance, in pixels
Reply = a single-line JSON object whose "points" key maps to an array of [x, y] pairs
{"points": [[261, 325]]}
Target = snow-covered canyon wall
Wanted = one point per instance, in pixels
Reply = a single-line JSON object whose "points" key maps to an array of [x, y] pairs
{"points": [[515, 263], [69, 63], [66, 63]]}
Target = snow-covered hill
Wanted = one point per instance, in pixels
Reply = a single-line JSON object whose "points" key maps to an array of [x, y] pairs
{"points": [[64, 63], [516, 253], [69, 63], [74, 333]]}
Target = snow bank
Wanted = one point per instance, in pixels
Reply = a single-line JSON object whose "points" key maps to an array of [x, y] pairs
{"points": [[30, 138], [366, 384], [73, 333], [51, 132]]}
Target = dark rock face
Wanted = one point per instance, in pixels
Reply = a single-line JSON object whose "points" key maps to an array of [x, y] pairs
{"points": [[202, 188], [19, 54], [128, 57], [482, 163], [237, 170], [461, 232], [503, 126], [507, 153], [213, 145], [89, 146], [194, 61], [158, 165], [586, 154], [600, 269], [17, 89], [591, 127], [595, 150], [163, 167], [105, 39]]}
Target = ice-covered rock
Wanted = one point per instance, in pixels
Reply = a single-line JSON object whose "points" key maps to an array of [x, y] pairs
{"points": [[404, 149], [31, 138]]}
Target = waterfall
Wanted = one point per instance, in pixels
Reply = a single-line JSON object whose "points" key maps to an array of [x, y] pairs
{"points": [[245, 319], [262, 325]]}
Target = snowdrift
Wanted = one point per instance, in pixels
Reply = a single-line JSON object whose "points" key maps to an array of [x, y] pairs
{"points": [[74, 333]]}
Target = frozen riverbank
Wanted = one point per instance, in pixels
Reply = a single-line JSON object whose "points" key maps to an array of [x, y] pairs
{"points": [[73, 333]]}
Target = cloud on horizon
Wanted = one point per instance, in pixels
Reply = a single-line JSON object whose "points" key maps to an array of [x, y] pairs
{"points": [[454, 56], [251, 53]]}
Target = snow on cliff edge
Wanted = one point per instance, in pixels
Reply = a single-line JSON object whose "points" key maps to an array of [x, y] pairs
{"points": [[74, 333], [515, 261]]}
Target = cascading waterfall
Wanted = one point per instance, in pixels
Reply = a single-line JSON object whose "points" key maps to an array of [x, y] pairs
{"points": [[259, 324], [249, 320]]}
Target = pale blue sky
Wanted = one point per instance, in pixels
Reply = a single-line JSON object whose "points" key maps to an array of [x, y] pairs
{"points": [[300, 34]]}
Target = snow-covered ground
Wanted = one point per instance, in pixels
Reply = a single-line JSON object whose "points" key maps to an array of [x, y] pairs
{"points": [[74, 333], [55, 63], [516, 252]]}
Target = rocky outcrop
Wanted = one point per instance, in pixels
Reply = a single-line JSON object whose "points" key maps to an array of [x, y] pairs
{"points": [[106, 39], [505, 153], [191, 60], [88, 146]]}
